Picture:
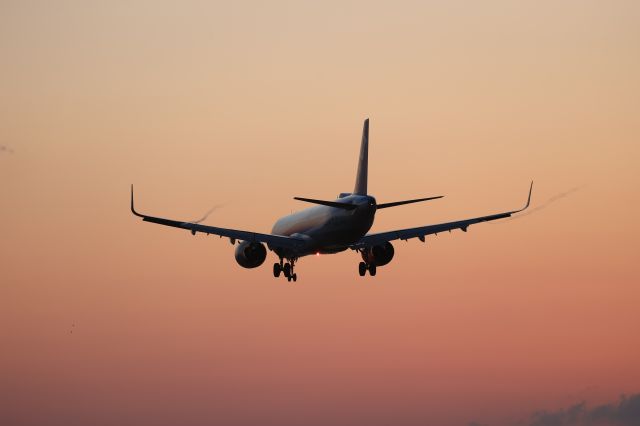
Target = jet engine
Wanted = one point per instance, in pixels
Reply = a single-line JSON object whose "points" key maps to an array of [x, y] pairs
{"points": [[250, 255], [378, 255]]}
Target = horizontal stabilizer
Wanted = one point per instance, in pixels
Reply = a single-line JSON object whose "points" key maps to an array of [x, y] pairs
{"points": [[399, 203], [327, 203]]}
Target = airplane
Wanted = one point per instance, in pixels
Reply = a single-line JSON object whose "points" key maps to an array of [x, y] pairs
{"points": [[327, 228]]}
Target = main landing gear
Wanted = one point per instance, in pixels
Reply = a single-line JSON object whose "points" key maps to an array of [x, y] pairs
{"points": [[363, 268], [286, 269]]}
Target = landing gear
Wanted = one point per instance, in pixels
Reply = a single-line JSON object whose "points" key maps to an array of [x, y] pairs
{"points": [[363, 268], [372, 269], [286, 268], [292, 277]]}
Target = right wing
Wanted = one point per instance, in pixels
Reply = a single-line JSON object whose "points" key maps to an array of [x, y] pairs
{"points": [[420, 232], [274, 241]]}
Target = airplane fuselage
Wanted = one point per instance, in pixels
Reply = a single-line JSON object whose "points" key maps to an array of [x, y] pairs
{"points": [[327, 229]]}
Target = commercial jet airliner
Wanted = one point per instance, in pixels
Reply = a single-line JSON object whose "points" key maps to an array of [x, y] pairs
{"points": [[330, 227]]}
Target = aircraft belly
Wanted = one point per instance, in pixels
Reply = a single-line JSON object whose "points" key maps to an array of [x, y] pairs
{"points": [[326, 229], [331, 237]]}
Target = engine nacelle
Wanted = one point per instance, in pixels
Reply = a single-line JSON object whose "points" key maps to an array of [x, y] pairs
{"points": [[250, 255], [378, 255]]}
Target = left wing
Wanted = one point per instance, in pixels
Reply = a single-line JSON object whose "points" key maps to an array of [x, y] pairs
{"points": [[274, 241], [420, 232]]}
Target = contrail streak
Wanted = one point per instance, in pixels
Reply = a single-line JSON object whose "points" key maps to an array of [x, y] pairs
{"points": [[546, 204], [206, 215]]}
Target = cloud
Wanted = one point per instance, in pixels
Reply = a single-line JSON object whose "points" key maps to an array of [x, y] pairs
{"points": [[626, 412], [4, 148]]}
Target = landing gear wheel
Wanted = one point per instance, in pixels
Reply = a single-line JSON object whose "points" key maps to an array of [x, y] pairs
{"points": [[276, 270], [362, 269], [294, 277], [287, 270], [289, 278], [372, 270]]}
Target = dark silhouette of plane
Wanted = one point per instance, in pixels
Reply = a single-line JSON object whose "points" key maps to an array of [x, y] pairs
{"points": [[330, 227]]}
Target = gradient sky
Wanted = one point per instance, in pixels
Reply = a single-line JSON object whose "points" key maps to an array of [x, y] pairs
{"points": [[248, 104]]}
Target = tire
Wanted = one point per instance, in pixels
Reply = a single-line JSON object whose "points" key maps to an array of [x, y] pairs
{"points": [[295, 277], [289, 278], [276, 270], [362, 269], [372, 270], [287, 270]]}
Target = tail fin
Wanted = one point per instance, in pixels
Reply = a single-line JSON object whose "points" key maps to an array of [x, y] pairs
{"points": [[363, 162]]}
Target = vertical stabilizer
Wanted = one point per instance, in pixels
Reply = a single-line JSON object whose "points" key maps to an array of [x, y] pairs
{"points": [[363, 162]]}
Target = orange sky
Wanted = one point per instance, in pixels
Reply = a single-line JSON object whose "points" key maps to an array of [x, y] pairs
{"points": [[250, 104]]}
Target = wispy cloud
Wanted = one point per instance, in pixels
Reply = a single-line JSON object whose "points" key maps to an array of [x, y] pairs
{"points": [[4, 148]]}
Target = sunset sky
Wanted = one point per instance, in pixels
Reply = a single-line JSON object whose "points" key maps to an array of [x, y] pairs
{"points": [[105, 320]]}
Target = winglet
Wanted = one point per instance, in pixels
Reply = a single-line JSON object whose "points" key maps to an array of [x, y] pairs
{"points": [[133, 210], [528, 199]]}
